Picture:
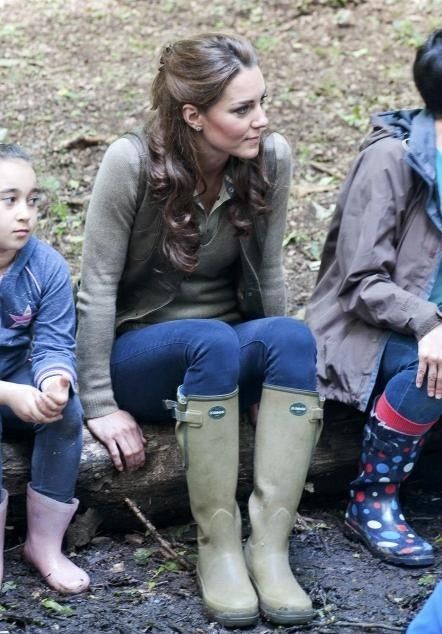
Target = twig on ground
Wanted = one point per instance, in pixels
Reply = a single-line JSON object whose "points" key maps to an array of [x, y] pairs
{"points": [[369, 626], [321, 167], [304, 523], [55, 129], [8, 550], [78, 201], [81, 142], [165, 545], [305, 190]]}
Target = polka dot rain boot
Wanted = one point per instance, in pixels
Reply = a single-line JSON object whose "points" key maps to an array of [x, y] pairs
{"points": [[374, 515]]}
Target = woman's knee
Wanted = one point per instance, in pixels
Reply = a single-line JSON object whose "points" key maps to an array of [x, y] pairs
{"points": [[292, 354], [218, 341], [287, 333], [214, 366]]}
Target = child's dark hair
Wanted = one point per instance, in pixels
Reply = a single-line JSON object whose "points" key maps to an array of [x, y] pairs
{"points": [[13, 151], [427, 72]]}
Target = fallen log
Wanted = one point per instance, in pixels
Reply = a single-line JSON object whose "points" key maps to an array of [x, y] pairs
{"points": [[159, 489]]}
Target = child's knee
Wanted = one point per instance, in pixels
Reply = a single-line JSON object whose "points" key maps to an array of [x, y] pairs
{"points": [[71, 425]]}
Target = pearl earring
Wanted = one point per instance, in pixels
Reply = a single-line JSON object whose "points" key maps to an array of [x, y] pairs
{"points": [[198, 129]]}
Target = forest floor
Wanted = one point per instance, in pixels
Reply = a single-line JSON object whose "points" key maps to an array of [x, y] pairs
{"points": [[135, 590], [74, 75]]}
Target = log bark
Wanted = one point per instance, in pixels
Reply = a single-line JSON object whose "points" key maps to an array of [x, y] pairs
{"points": [[159, 489]]}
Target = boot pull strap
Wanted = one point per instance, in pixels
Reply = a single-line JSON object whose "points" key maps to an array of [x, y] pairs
{"points": [[317, 411], [185, 442], [184, 415], [317, 416]]}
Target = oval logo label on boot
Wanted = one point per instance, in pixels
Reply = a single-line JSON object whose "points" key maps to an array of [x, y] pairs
{"points": [[217, 412], [298, 409]]}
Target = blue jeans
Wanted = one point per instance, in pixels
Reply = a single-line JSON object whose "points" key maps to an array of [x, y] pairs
{"points": [[208, 358], [397, 377], [57, 446]]}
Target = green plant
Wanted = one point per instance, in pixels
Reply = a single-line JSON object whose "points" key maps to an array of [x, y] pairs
{"points": [[8, 30], [50, 183], [142, 556], [7, 586], [53, 606], [168, 6], [60, 210], [266, 43], [427, 580], [296, 237], [168, 566], [356, 118], [407, 33]]}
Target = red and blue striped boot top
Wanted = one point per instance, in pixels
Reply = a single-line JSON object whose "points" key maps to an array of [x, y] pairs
{"points": [[374, 515]]}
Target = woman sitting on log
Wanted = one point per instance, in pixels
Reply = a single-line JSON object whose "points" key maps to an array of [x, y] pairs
{"points": [[182, 305], [376, 308]]}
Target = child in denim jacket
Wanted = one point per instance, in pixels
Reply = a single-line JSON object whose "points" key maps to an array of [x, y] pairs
{"points": [[37, 372]]}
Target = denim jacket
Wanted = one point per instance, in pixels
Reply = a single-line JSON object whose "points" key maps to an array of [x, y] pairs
{"points": [[37, 317]]}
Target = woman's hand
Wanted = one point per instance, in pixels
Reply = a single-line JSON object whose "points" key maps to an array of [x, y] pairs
{"points": [[122, 436], [28, 403], [430, 362]]}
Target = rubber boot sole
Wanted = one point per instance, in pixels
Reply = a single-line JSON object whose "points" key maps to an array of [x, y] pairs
{"points": [[282, 617], [405, 560], [228, 619], [232, 620], [286, 617]]}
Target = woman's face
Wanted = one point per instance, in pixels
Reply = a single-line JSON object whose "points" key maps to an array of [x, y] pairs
{"points": [[234, 124]]}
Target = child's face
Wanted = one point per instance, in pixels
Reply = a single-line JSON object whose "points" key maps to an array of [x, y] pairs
{"points": [[18, 204]]}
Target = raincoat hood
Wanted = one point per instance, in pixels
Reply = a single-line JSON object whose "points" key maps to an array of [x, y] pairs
{"points": [[416, 129]]}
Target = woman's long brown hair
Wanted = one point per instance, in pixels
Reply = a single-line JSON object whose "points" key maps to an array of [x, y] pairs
{"points": [[196, 71]]}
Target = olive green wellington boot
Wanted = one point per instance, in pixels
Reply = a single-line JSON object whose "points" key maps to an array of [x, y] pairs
{"points": [[208, 433], [288, 426]]}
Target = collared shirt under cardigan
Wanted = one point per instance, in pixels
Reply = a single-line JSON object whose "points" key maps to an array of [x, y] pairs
{"points": [[125, 278]]}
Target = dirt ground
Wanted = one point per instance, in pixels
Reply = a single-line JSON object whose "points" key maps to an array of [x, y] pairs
{"points": [[74, 75], [134, 590]]}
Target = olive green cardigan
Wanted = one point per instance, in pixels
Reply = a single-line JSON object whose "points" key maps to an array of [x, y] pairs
{"points": [[124, 276]]}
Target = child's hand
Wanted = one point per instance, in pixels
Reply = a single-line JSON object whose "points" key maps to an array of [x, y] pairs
{"points": [[28, 403], [56, 389]]}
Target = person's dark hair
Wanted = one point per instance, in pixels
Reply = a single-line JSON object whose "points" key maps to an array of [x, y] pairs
{"points": [[427, 72], [196, 71], [13, 151]]}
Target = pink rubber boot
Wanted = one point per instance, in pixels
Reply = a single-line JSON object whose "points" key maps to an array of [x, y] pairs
{"points": [[3, 511], [48, 520]]}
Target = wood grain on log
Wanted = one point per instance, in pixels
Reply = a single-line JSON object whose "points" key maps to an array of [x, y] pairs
{"points": [[159, 489]]}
